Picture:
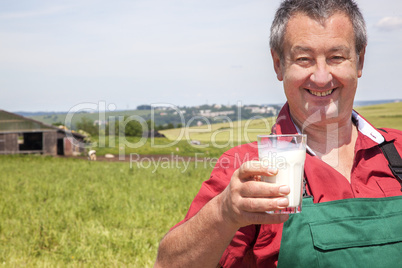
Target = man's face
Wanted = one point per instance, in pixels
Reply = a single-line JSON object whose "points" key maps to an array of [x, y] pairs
{"points": [[320, 68]]}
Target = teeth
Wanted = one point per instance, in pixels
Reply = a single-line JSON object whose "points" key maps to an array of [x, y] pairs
{"points": [[320, 93]]}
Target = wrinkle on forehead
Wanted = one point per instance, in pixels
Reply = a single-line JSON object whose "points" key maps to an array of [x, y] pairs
{"points": [[301, 48], [322, 18], [323, 21], [336, 26]]}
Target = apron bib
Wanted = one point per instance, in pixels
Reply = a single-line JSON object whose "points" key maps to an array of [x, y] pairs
{"points": [[358, 232]]}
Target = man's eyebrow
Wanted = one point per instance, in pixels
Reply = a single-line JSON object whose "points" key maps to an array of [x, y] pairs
{"points": [[308, 49], [301, 49], [340, 48]]}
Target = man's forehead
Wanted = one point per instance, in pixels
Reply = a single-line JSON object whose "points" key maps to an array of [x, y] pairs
{"points": [[318, 19], [300, 21], [301, 29]]}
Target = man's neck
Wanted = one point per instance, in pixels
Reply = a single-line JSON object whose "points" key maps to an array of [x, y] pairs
{"points": [[334, 144], [324, 137]]}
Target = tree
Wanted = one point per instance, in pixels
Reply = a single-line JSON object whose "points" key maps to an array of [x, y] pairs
{"points": [[151, 125], [57, 124], [144, 107], [88, 126], [130, 127]]}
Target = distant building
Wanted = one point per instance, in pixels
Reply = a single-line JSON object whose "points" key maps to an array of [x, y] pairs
{"points": [[100, 122], [261, 110], [208, 113], [204, 112], [180, 112], [21, 135]]}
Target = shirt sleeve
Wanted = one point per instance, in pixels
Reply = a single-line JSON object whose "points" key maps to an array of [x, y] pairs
{"points": [[220, 177]]}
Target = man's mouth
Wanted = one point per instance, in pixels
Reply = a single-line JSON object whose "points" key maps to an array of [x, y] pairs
{"points": [[321, 93]]}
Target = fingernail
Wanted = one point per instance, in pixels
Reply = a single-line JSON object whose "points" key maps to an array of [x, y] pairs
{"points": [[272, 170], [283, 202], [284, 189]]}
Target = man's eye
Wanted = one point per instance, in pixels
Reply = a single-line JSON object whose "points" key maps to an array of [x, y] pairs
{"points": [[337, 59], [303, 59]]}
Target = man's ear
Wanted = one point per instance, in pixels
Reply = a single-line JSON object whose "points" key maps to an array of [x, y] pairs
{"points": [[361, 62], [277, 65]]}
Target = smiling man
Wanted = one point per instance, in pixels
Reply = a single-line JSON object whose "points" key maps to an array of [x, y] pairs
{"points": [[352, 210], [319, 66]]}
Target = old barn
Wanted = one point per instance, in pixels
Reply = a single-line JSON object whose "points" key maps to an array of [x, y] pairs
{"points": [[22, 135]]}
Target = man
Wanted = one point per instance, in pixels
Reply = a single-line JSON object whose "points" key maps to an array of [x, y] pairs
{"points": [[318, 49]]}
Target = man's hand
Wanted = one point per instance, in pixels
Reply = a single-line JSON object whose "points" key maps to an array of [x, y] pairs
{"points": [[246, 199], [243, 202]]}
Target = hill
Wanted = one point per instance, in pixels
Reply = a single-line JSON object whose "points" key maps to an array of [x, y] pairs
{"points": [[163, 116], [222, 133], [383, 115]]}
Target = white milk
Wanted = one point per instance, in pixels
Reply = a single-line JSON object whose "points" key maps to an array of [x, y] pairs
{"points": [[290, 165]]}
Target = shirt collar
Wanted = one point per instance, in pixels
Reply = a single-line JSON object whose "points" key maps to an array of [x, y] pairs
{"points": [[362, 124], [367, 129]]}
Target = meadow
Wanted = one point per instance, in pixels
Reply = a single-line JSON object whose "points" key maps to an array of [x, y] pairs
{"points": [[387, 115], [382, 115], [58, 212], [214, 139], [233, 133], [161, 146], [67, 212]]}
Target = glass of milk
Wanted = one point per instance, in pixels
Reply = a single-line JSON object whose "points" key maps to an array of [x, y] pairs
{"points": [[286, 153]]}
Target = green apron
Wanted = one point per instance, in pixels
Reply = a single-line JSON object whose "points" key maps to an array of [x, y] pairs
{"points": [[359, 232]]}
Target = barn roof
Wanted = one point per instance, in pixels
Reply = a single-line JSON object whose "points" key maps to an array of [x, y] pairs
{"points": [[11, 123]]}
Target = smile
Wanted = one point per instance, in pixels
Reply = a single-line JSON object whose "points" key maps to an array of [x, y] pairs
{"points": [[321, 93]]}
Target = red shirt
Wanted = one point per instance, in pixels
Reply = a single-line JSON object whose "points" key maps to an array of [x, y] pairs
{"points": [[370, 177]]}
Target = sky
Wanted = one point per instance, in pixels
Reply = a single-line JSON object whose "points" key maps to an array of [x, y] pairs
{"points": [[58, 55]]}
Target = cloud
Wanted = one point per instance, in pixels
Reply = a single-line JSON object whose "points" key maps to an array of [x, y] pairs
{"points": [[389, 23]]}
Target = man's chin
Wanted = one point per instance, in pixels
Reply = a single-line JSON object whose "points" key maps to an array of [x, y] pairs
{"points": [[331, 110], [321, 115]]}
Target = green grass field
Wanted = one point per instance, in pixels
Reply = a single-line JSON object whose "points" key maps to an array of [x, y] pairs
{"points": [[65, 212], [383, 115], [217, 138], [160, 146], [57, 212], [236, 132]]}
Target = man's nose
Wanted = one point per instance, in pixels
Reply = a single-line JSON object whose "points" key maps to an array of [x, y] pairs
{"points": [[321, 74]]}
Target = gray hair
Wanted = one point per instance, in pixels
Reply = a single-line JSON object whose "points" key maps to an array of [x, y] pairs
{"points": [[319, 10]]}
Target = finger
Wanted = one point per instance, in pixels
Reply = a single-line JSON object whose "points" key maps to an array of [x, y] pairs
{"points": [[262, 189], [262, 204], [250, 169]]}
